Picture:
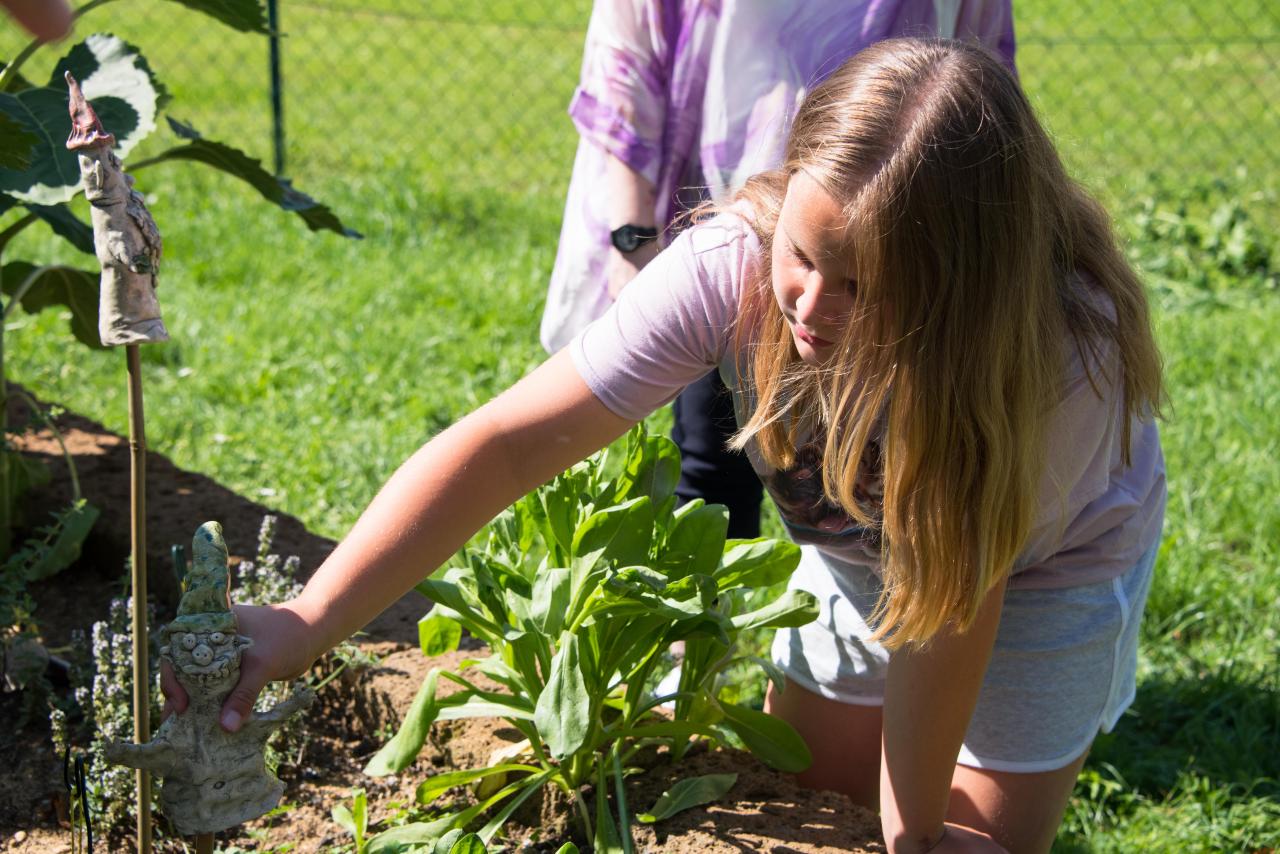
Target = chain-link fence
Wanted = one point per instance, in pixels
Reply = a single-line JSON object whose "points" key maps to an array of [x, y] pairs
{"points": [[461, 94]]}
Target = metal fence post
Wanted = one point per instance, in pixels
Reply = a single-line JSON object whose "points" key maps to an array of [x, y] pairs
{"points": [[277, 85]]}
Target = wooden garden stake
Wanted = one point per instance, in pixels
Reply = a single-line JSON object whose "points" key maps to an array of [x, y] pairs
{"points": [[138, 562], [128, 247]]}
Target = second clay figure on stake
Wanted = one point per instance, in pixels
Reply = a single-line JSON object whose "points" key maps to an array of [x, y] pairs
{"points": [[125, 236]]}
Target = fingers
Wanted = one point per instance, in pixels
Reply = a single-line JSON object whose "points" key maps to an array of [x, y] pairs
{"points": [[45, 19], [239, 703], [175, 696]]}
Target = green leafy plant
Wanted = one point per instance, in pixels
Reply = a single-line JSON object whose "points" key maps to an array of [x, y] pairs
{"points": [[1200, 246], [49, 549], [39, 176], [354, 819], [579, 590], [100, 710]]}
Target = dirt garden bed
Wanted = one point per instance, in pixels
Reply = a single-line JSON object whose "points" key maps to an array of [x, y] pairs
{"points": [[765, 811]]}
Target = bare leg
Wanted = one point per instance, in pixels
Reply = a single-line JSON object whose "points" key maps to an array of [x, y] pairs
{"points": [[1020, 811], [843, 738]]}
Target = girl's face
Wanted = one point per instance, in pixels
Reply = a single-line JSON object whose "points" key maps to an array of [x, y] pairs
{"points": [[813, 268]]}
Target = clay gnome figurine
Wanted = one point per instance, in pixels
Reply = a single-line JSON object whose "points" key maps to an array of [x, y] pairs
{"points": [[124, 234], [212, 779]]}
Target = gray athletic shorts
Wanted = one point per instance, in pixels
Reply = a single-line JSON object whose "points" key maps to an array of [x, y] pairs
{"points": [[1063, 666]]}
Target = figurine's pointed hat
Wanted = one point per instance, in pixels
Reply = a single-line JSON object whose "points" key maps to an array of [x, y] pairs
{"points": [[206, 601], [86, 129]]}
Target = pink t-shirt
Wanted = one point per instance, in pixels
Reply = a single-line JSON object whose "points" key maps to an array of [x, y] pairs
{"points": [[674, 323]]}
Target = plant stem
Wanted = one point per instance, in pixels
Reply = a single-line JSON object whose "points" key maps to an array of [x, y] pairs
{"points": [[6, 522], [12, 231], [57, 434], [586, 815], [28, 282], [624, 822]]}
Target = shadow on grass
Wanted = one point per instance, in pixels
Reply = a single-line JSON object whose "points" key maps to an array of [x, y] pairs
{"points": [[1222, 727]]}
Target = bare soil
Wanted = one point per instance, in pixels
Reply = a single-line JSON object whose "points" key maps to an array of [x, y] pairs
{"points": [[765, 811]]}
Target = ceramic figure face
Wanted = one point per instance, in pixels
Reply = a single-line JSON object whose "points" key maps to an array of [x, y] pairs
{"points": [[205, 661], [100, 181]]}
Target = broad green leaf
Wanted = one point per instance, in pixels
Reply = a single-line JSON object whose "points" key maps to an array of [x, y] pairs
{"points": [[16, 143], [772, 740], [479, 708], [793, 608], [497, 670], [66, 225], [567, 848], [551, 592], [437, 784], [232, 161], [531, 786], [635, 579], [563, 712], [695, 543], [73, 526], [622, 533], [124, 93], [469, 844], [399, 753], [444, 843], [342, 816], [451, 596], [438, 634], [757, 563], [652, 469], [692, 792], [412, 837], [697, 588], [560, 501], [247, 16], [68, 287]]}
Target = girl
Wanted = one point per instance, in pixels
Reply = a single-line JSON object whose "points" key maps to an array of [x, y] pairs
{"points": [[945, 375]]}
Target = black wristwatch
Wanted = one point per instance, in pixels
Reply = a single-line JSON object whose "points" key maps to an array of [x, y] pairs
{"points": [[629, 238]]}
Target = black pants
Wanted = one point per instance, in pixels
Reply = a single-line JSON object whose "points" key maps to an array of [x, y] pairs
{"points": [[704, 423]]}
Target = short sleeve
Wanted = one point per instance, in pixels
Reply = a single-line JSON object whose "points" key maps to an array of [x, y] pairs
{"points": [[673, 323]]}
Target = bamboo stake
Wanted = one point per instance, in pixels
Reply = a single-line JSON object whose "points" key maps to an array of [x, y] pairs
{"points": [[138, 555], [204, 843]]}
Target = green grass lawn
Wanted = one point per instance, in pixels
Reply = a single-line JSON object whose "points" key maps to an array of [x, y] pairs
{"points": [[305, 367]]}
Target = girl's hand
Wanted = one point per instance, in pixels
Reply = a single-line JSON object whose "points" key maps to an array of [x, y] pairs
{"points": [[281, 650]]}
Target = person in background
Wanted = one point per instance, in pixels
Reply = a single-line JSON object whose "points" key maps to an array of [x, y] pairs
{"points": [[679, 102]]}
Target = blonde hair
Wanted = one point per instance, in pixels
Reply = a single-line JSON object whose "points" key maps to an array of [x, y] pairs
{"points": [[975, 256]]}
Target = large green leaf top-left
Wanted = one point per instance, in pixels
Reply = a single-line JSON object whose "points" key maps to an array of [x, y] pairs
{"points": [[124, 93]]}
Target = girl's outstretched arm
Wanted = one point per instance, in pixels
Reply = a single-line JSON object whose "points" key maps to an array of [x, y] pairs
{"points": [[930, 694], [430, 507]]}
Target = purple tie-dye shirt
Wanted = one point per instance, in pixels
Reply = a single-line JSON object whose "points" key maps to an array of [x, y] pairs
{"points": [[697, 96]]}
